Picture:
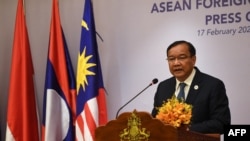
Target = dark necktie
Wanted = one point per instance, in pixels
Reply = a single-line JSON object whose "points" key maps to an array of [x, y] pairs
{"points": [[181, 95]]}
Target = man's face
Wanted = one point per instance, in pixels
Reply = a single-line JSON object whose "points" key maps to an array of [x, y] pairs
{"points": [[180, 61]]}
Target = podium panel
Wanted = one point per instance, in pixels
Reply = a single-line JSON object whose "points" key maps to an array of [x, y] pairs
{"points": [[141, 126]]}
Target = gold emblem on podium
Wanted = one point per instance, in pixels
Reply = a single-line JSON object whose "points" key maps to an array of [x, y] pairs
{"points": [[134, 132]]}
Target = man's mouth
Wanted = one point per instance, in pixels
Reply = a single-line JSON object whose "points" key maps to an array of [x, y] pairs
{"points": [[178, 69]]}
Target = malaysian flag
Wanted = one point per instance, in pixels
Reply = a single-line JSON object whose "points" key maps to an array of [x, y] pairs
{"points": [[91, 96], [59, 94]]}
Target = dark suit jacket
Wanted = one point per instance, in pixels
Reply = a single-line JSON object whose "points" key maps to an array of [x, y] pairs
{"points": [[210, 103]]}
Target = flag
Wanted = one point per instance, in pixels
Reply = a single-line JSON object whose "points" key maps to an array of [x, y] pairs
{"points": [[22, 116], [91, 101], [59, 103]]}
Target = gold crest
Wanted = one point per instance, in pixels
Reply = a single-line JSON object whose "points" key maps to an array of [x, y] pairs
{"points": [[134, 132]]}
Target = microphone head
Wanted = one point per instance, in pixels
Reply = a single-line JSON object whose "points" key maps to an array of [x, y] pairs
{"points": [[154, 81]]}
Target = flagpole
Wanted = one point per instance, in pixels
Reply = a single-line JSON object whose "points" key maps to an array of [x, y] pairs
{"points": [[24, 11]]}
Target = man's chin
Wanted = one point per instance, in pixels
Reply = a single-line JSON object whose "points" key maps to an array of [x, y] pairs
{"points": [[179, 75]]}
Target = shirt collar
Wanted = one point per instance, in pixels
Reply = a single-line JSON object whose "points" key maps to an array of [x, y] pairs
{"points": [[188, 81]]}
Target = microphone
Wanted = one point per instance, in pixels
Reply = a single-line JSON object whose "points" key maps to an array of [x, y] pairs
{"points": [[154, 81]]}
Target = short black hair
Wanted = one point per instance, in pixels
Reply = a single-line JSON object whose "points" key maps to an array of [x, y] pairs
{"points": [[191, 48]]}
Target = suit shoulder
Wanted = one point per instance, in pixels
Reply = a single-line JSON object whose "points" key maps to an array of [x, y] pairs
{"points": [[211, 79], [168, 80], [206, 76]]}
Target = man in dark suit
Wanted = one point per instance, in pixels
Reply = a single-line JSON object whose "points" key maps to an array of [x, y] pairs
{"points": [[205, 93]]}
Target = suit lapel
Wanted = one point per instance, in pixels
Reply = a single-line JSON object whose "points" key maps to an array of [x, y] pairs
{"points": [[169, 89], [194, 88]]}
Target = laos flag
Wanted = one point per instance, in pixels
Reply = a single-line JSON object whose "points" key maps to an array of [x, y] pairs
{"points": [[59, 93]]}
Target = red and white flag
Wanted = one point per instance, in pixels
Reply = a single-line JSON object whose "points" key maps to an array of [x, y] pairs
{"points": [[22, 116]]}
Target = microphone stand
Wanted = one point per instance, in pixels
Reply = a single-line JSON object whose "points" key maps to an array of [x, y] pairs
{"points": [[132, 99]]}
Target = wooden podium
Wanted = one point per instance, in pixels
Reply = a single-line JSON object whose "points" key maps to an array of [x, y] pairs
{"points": [[140, 126]]}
